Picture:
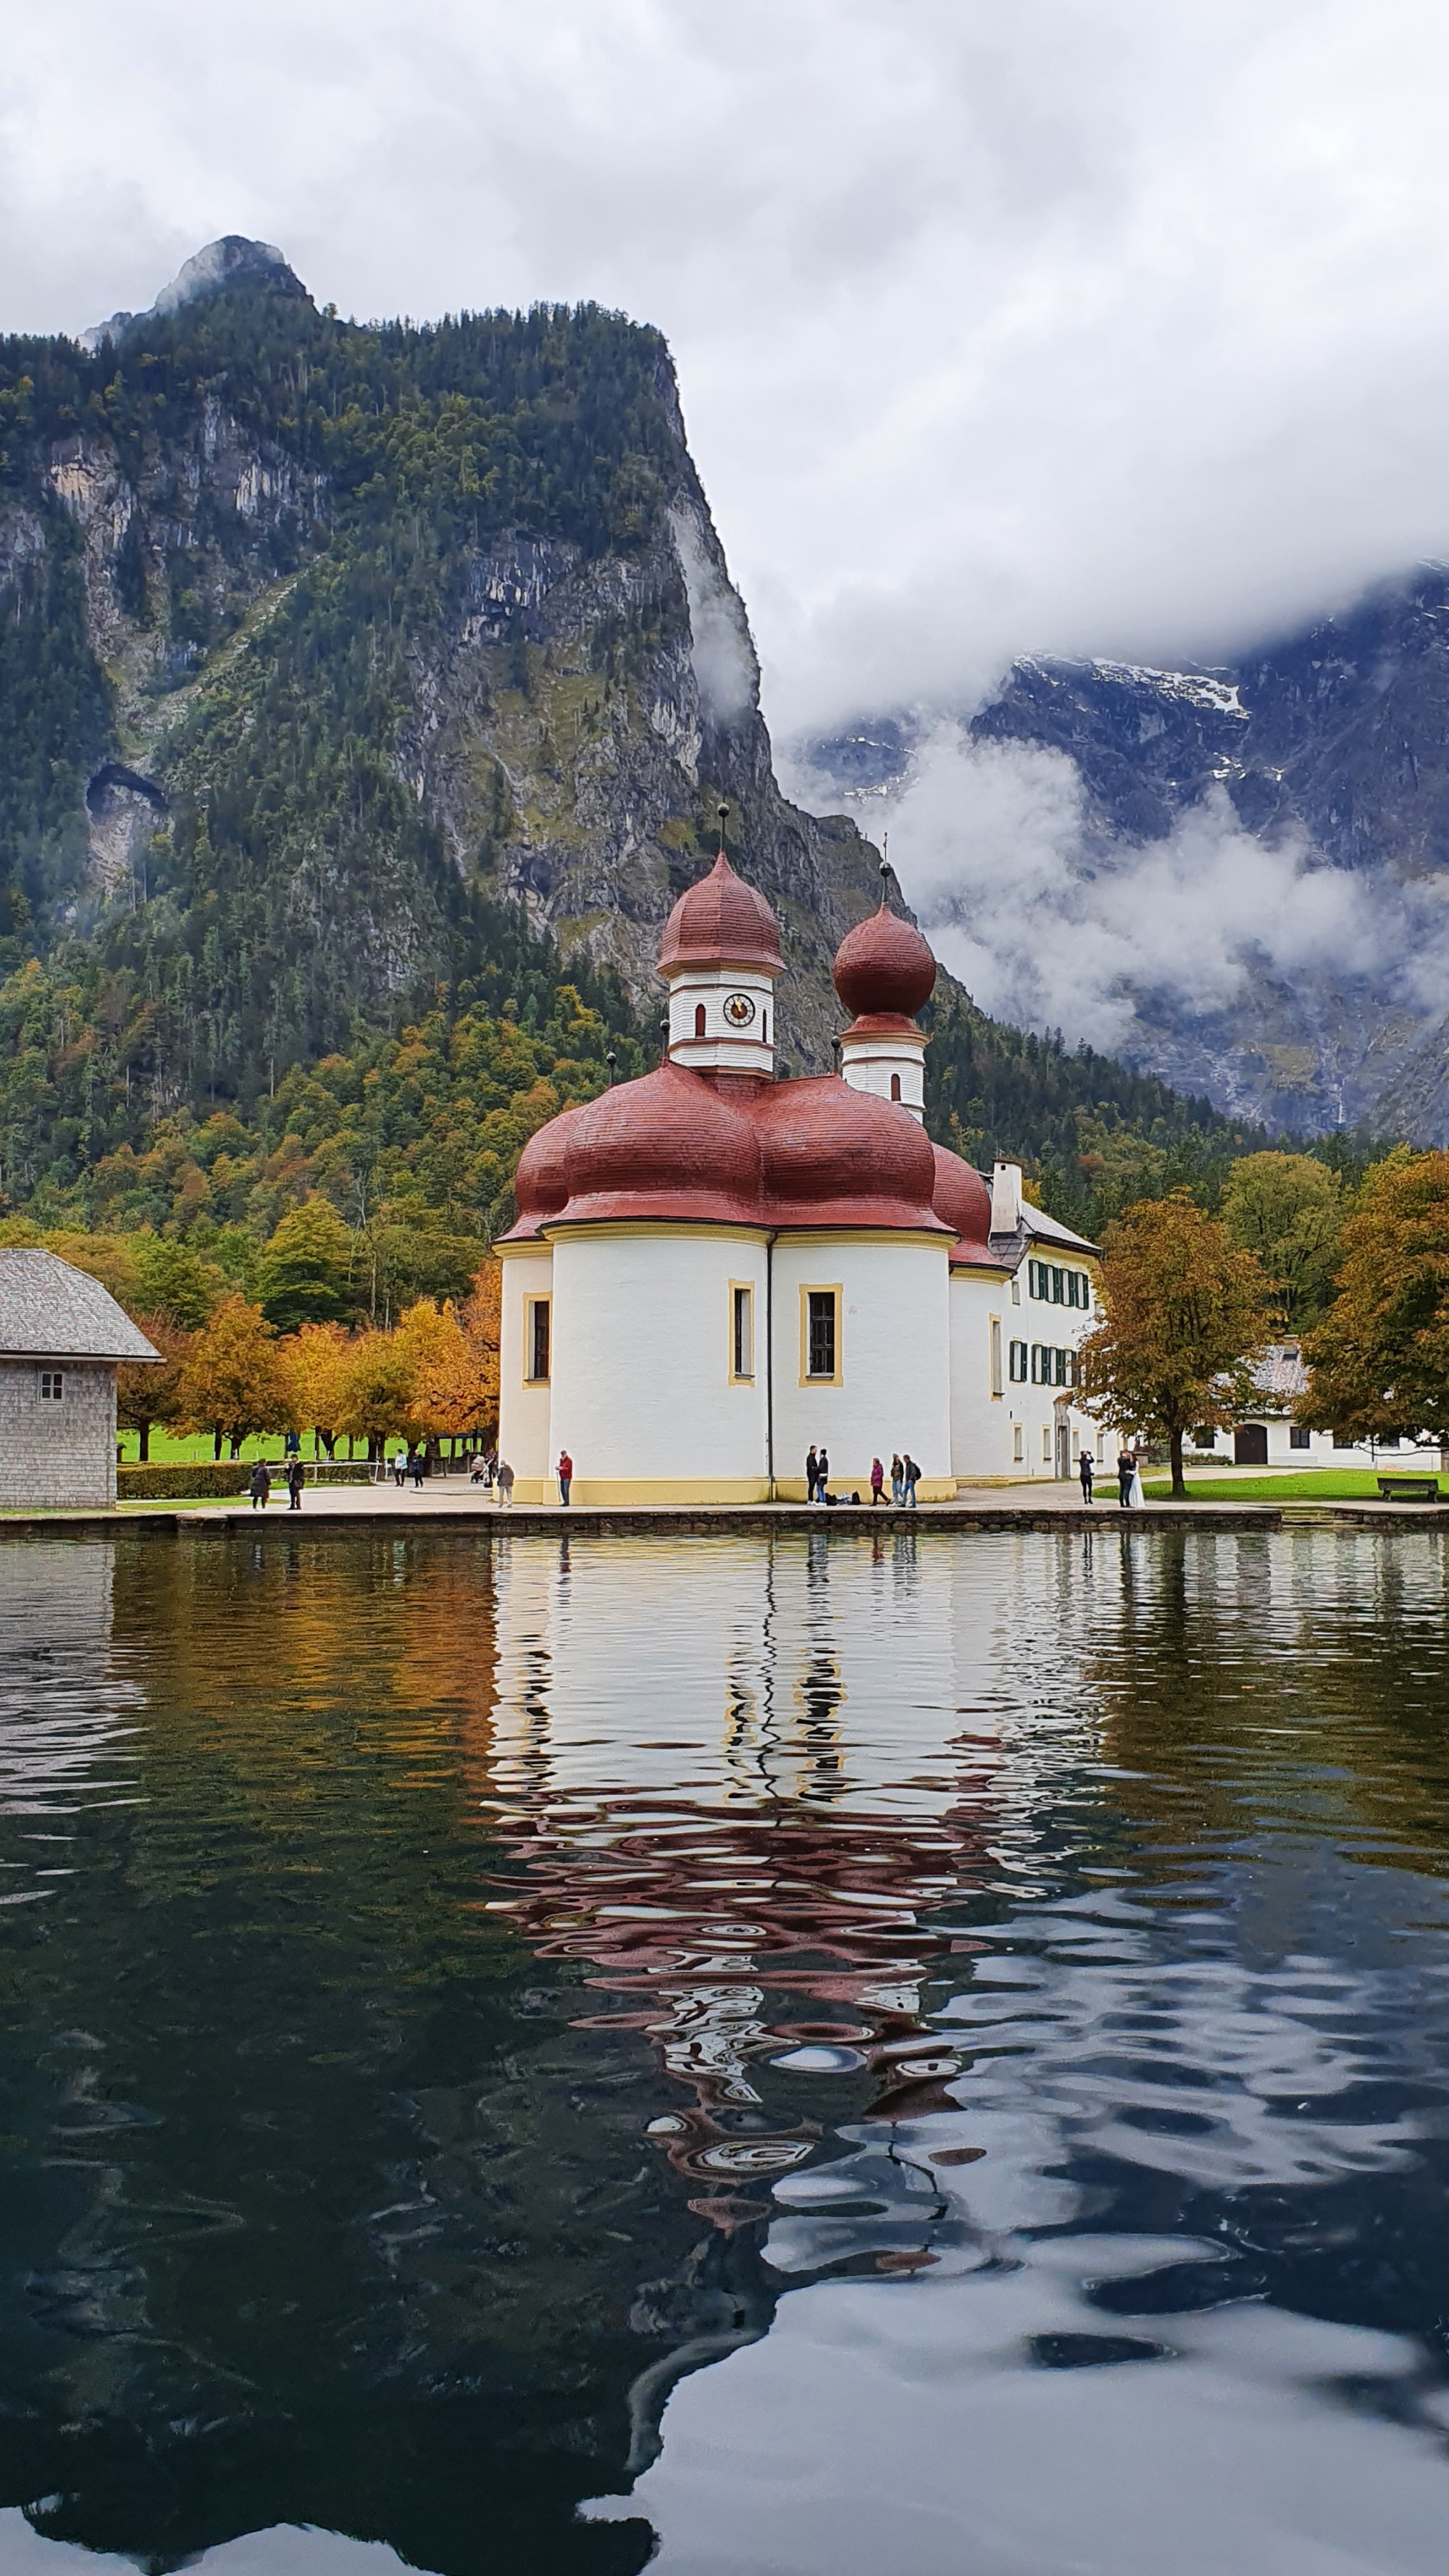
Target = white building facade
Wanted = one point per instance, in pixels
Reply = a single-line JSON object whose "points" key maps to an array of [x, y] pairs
{"points": [[714, 1271]]}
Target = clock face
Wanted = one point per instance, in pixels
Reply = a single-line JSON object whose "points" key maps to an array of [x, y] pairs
{"points": [[739, 1010]]}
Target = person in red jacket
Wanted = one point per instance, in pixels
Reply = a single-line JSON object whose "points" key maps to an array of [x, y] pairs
{"points": [[565, 1476]]}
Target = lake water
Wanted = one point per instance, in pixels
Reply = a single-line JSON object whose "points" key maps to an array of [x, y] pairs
{"points": [[871, 2052]]}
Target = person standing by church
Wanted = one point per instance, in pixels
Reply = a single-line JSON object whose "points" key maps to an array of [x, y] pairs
{"points": [[822, 1476], [877, 1483], [565, 1476], [812, 1473], [1126, 1470], [1085, 1471]]}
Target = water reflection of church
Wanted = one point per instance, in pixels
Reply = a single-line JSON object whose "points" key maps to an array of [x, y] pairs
{"points": [[747, 1850]]}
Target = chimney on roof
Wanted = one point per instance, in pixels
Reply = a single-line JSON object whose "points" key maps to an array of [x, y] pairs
{"points": [[1006, 1200]]}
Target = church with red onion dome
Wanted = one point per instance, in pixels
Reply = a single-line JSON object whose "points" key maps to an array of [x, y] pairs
{"points": [[714, 1269]]}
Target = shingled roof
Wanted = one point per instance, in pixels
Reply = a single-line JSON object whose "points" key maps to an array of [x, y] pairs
{"points": [[50, 1311]]}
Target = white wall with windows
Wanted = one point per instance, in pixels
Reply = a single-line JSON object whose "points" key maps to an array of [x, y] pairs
{"points": [[888, 1389], [649, 1324], [1015, 1336], [525, 1397]]}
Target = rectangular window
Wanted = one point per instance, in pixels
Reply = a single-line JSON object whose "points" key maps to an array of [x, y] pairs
{"points": [[1018, 1450], [536, 1340], [820, 1336], [1298, 1438], [742, 1332], [1016, 1292], [1388, 1439], [1040, 1357], [52, 1385], [997, 1386], [1036, 1278], [1018, 1363], [1059, 1286], [1046, 1444], [1063, 1360], [1343, 1440]]}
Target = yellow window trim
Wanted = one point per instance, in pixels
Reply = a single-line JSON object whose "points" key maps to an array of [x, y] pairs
{"points": [[529, 1303], [821, 1288], [739, 1377]]}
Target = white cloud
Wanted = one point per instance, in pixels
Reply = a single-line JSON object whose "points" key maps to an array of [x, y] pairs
{"points": [[1115, 330], [995, 849]]}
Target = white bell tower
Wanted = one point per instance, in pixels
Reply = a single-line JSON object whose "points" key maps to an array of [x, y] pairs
{"points": [[720, 958]]}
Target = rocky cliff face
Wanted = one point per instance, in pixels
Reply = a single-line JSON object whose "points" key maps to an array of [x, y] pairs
{"points": [[1332, 746], [347, 690]]}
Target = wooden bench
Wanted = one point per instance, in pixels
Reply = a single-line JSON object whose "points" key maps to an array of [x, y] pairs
{"points": [[1409, 1489]]}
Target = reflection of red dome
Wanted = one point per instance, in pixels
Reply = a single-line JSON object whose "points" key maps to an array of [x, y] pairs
{"points": [[668, 1142], [721, 922], [962, 1199], [884, 965], [834, 1156]]}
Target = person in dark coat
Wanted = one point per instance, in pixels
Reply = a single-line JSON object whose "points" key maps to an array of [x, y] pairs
{"points": [[416, 1463], [1085, 1471], [909, 1472], [822, 1475], [877, 1483], [1126, 1470], [296, 1479], [812, 1473], [261, 1484]]}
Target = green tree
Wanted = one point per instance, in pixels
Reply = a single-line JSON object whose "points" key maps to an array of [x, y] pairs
{"points": [[176, 1281], [1379, 1361], [1289, 1209], [1184, 1311], [305, 1275]]}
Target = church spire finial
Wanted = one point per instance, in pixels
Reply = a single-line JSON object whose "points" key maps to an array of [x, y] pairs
{"points": [[723, 812]]}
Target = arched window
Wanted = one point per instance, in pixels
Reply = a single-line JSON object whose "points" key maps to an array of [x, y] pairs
{"points": [[895, 1086], [699, 1019]]}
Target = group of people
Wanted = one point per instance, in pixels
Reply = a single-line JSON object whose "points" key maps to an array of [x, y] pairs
{"points": [[293, 1476], [488, 1470], [904, 1477], [1129, 1478]]}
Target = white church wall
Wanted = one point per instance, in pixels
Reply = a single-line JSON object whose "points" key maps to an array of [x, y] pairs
{"points": [[524, 1403], [893, 1385], [645, 1398], [1016, 1434]]}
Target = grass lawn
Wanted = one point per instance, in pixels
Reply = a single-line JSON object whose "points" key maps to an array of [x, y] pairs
{"points": [[168, 1448], [1326, 1485]]}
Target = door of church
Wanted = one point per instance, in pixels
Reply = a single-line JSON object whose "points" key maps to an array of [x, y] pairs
{"points": [[1250, 1445], [1064, 1442]]}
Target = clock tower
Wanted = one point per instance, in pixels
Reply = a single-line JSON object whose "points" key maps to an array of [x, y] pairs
{"points": [[720, 958]]}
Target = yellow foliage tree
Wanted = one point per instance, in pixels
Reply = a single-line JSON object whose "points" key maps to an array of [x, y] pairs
{"points": [[235, 1379], [377, 1388], [146, 1394], [454, 1353], [318, 1361]]}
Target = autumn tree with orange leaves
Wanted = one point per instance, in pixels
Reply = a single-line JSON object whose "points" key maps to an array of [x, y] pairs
{"points": [[1184, 1313]]}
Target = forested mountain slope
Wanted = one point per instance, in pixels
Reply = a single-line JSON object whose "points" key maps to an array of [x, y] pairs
{"points": [[353, 676]]}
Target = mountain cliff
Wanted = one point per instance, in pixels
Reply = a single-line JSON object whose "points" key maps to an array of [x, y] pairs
{"points": [[331, 632], [1330, 746], [354, 674]]}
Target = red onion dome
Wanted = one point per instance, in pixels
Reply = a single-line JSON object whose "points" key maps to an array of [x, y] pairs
{"points": [[721, 922], [962, 1200], [541, 1182], [835, 1156], [884, 965], [667, 1146]]}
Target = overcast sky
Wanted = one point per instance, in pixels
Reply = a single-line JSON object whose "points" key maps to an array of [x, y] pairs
{"points": [[1000, 324]]}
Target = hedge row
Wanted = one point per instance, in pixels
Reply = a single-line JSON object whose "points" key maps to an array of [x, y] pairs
{"points": [[183, 1481]]}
